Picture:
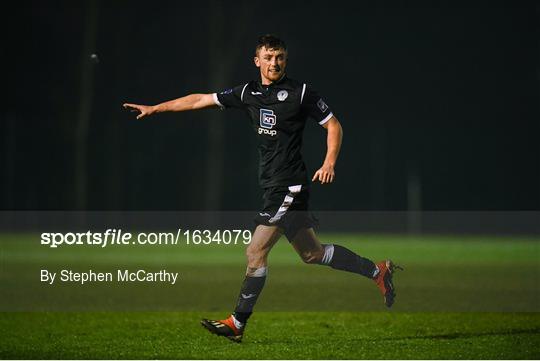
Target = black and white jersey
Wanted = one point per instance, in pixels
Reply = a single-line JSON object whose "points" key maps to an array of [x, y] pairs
{"points": [[278, 113]]}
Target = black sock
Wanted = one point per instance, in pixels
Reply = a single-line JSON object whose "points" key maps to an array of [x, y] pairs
{"points": [[346, 260], [251, 289]]}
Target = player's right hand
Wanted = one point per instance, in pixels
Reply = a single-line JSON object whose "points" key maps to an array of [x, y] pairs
{"points": [[144, 110], [325, 174]]}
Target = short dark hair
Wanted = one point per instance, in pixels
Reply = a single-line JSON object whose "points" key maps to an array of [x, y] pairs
{"points": [[270, 41]]}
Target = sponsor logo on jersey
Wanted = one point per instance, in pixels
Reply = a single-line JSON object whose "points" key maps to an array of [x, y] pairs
{"points": [[228, 91], [282, 95], [256, 93], [267, 118], [322, 105], [267, 121], [267, 131]]}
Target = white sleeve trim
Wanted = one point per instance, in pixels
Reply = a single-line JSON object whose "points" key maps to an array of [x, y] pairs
{"points": [[242, 95], [216, 100], [326, 119], [303, 91]]}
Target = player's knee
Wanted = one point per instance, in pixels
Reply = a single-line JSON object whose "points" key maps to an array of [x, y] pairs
{"points": [[312, 257]]}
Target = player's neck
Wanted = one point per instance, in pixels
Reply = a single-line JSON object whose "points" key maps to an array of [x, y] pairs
{"points": [[267, 82]]}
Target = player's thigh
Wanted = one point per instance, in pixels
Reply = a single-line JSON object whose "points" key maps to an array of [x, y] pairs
{"points": [[262, 241], [307, 245]]}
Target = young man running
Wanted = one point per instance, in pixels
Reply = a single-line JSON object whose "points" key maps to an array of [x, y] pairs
{"points": [[278, 108]]}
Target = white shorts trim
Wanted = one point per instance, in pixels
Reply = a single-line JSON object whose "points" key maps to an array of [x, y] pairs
{"points": [[289, 198]]}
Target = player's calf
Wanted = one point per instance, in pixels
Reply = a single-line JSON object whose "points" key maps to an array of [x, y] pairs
{"points": [[341, 258]]}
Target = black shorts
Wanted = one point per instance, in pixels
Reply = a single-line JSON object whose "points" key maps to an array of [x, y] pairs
{"points": [[287, 208]]}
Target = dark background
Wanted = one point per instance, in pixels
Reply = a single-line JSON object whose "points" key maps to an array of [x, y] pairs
{"points": [[439, 103]]}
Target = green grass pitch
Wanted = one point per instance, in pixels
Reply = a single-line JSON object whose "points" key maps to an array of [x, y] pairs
{"points": [[458, 298]]}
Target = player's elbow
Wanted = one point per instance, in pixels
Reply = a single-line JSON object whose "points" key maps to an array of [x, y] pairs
{"points": [[196, 101], [200, 101]]}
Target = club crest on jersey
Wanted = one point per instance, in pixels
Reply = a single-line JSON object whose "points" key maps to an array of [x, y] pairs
{"points": [[322, 105], [267, 121], [282, 95]]}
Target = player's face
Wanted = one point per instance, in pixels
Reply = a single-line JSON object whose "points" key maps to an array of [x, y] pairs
{"points": [[272, 63]]}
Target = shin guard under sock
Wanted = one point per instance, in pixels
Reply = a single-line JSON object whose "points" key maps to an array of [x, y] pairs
{"points": [[249, 293], [341, 258]]}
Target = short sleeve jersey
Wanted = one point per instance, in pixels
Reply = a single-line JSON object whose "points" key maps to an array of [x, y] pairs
{"points": [[278, 114]]}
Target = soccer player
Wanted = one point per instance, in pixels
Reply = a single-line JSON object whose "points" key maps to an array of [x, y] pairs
{"points": [[279, 108]]}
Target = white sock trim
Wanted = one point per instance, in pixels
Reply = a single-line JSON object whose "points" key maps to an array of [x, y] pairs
{"points": [[328, 254], [259, 272]]}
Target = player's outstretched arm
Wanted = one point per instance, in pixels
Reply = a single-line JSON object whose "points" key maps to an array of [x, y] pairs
{"points": [[326, 173], [189, 102]]}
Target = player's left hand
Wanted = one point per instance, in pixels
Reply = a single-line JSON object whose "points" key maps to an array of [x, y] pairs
{"points": [[325, 174]]}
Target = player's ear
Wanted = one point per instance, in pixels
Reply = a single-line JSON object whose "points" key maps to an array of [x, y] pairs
{"points": [[256, 61]]}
